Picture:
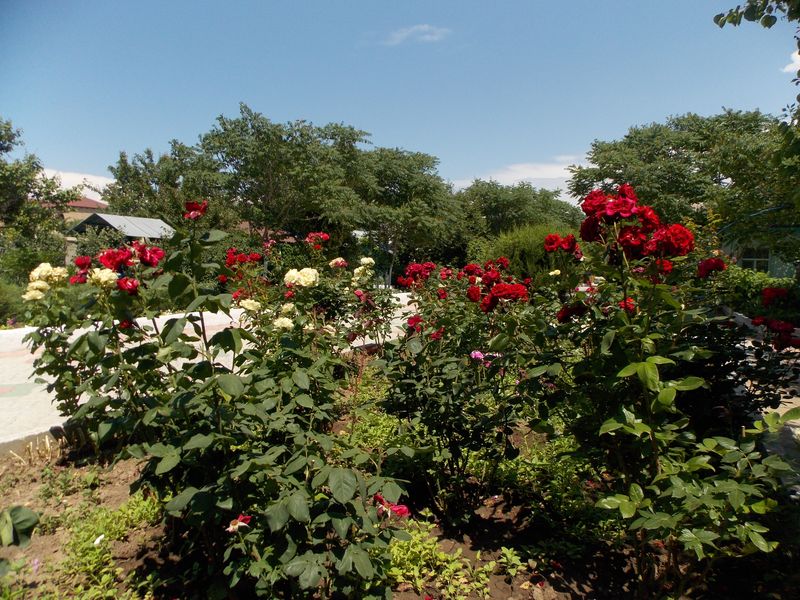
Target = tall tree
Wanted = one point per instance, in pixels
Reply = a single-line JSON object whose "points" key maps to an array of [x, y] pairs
{"points": [[31, 209]]}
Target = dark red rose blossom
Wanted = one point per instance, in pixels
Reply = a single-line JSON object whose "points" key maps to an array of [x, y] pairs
{"points": [[222, 278], [405, 281], [618, 208], [664, 266], [316, 238], [510, 291], [626, 191], [710, 265], [128, 284], [673, 240], [552, 242], [771, 294], [115, 258], [502, 262], [126, 324], [289, 295], [488, 303], [83, 262], [445, 273], [149, 256], [442, 293], [255, 257], [437, 335], [590, 229], [195, 210], [238, 294], [490, 278], [594, 203], [474, 293], [415, 323], [78, 278], [568, 244], [632, 239], [567, 312], [647, 218], [757, 321], [628, 305], [473, 269], [780, 326]]}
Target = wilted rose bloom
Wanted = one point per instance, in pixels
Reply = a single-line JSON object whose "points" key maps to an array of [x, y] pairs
{"points": [[250, 305], [238, 522], [103, 278], [283, 323], [338, 263], [195, 210], [128, 284]]}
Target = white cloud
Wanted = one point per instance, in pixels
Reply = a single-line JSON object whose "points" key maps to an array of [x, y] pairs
{"points": [[794, 66], [417, 33], [549, 175], [70, 179]]}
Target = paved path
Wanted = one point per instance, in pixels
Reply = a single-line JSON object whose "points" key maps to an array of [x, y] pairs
{"points": [[26, 408]]}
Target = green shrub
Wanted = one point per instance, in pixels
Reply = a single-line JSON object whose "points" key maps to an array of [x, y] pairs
{"points": [[524, 247], [10, 301], [740, 289]]}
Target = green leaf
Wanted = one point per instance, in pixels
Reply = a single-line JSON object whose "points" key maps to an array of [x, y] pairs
{"points": [[392, 492], [298, 507], [736, 499], [689, 383], [342, 483], [301, 380], [172, 330], [230, 384], [610, 503], [627, 509], [607, 341], [304, 400], [362, 563], [499, 342], [759, 541], [169, 462], [610, 425], [628, 370], [179, 502], [636, 493], [213, 236], [667, 396], [199, 441], [277, 516], [648, 375], [414, 345], [791, 415], [660, 360]]}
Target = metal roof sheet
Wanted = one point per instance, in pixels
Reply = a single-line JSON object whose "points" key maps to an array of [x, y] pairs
{"points": [[133, 227]]}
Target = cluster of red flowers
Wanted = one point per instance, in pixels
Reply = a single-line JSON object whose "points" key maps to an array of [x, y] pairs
{"points": [[116, 258], [782, 329], [628, 305], [503, 291], [415, 325], [416, 274], [148, 255], [648, 237], [770, 294], [233, 258], [83, 263], [315, 239], [195, 210], [554, 242], [710, 265]]}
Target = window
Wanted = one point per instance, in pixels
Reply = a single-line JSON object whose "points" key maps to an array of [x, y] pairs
{"points": [[756, 259]]}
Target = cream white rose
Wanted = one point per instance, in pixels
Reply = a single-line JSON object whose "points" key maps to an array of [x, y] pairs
{"points": [[104, 278], [251, 305], [307, 277], [367, 261], [283, 323], [39, 286], [41, 272], [288, 308], [32, 295]]}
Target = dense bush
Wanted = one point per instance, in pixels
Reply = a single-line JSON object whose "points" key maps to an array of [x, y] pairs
{"points": [[742, 290], [615, 353], [10, 305], [524, 247]]}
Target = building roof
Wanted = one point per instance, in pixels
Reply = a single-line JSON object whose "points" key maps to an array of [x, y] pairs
{"points": [[132, 227], [84, 202]]}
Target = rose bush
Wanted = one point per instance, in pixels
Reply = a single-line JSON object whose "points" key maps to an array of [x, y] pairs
{"points": [[230, 422]]}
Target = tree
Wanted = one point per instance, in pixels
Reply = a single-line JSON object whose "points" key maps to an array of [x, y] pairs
{"points": [[691, 164], [31, 208], [502, 208]]}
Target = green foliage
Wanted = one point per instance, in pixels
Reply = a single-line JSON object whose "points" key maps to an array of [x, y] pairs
{"points": [[10, 301], [30, 210], [420, 562], [524, 247], [740, 289], [96, 239], [16, 525]]}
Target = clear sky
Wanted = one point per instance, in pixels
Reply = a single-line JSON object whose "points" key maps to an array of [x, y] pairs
{"points": [[512, 89]]}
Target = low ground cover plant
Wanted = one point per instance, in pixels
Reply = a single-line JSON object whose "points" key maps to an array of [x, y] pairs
{"points": [[604, 394]]}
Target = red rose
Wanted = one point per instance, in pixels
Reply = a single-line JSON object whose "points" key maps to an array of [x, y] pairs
{"points": [[415, 323], [590, 229], [79, 278], [148, 256], [490, 278], [442, 293], [619, 208], [437, 335], [648, 218], [195, 210], [594, 203], [628, 305], [710, 265], [552, 242], [445, 273], [510, 291], [770, 294], [289, 295], [473, 269], [626, 191], [128, 284], [115, 258], [780, 326], [474, 293], [83, 262], [488, 303], [255, 257], [222, 279], [632, 239], [664, 266], [125, 324], [757, 321], [568, 244], [673, 240], [502, 262]]}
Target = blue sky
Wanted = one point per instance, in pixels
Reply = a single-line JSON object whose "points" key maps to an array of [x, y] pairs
{"points": [[513, 90]]}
